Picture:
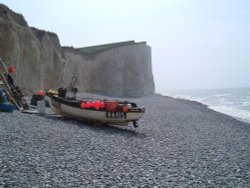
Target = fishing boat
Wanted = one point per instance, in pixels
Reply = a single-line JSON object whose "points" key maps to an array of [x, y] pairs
{"points": [[103, 111]]}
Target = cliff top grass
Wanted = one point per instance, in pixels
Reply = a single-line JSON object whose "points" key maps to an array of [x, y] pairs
{"points": [[99, 48]]}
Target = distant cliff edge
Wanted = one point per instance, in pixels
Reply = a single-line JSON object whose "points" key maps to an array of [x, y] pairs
{"points": [[119, 69]]}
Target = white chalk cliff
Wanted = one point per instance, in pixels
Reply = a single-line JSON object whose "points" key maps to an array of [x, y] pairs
{"points": [[120, 69]]}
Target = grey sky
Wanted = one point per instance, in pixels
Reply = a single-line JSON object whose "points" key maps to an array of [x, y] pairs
{"points": [[195, 43]]}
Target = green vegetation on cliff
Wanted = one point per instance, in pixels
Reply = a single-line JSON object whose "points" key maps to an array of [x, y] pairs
{"points": [[99, 48]]}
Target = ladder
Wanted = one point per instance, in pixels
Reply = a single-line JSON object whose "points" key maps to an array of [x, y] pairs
{"points": [[10, 91]]}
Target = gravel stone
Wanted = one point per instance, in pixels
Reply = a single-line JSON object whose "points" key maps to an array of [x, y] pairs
{"points": [[178, 143]]}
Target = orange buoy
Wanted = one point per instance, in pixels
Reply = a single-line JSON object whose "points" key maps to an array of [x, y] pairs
{"points": [[97, 105], [125, 108]]}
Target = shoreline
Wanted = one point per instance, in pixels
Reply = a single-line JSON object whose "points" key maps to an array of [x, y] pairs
{"points": [[216, 109]]}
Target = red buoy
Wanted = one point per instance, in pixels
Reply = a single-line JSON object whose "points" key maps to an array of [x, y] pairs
{"points": [[83, 105], [40, 93], [11, 69], [93, 104], [102, 105], [88, 104]]}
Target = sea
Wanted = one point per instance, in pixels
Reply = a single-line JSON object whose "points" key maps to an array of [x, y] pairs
{"points": [[231, 101]]}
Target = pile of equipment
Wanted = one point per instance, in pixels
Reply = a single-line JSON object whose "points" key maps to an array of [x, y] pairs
{"points": [[10, 93]]}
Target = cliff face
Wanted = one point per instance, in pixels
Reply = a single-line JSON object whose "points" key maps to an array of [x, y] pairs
{"points": [[121, 70], [35, 54]]}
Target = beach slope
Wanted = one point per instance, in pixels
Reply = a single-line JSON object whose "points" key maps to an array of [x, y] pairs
{"points": [[179, 143]]}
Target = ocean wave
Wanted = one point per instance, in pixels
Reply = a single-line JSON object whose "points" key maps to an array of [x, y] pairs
{"points": [[246, 103], [222, 95]]}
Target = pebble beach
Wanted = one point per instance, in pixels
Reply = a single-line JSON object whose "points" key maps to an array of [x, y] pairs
{"points": [[178, 143]]}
